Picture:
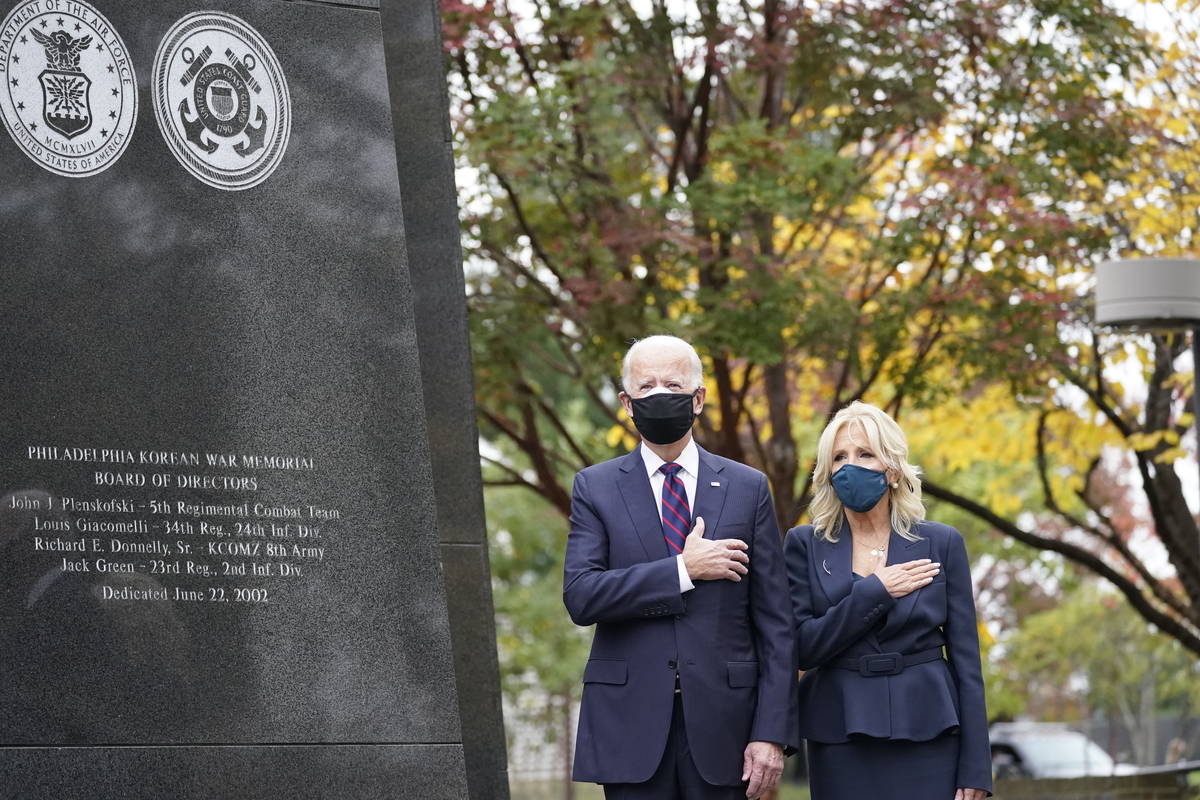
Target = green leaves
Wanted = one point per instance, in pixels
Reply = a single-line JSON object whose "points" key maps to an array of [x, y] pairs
{"points": [[1092, 653]]}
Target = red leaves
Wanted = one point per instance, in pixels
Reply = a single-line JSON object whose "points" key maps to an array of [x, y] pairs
{"points": [[460, 19], [588, 291]]}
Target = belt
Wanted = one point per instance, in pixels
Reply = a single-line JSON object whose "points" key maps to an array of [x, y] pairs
{"points": [[877, 664]]}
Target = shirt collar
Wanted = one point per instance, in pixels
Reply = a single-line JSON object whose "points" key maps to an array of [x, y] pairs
{"points": [[689, 459]]}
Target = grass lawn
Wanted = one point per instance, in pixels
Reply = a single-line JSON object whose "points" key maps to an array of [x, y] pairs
{"points": [[553, 790]]}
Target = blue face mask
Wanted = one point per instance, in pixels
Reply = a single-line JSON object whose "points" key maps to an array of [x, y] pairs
{"points": [[859, 488]]}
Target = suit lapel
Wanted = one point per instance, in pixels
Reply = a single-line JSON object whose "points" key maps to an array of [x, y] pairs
{"points": [[899, 551], [833, 564], [710, 493], [634, 486]]}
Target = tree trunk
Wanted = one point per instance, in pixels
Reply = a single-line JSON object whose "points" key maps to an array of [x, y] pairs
{"points": [[781, 446]]}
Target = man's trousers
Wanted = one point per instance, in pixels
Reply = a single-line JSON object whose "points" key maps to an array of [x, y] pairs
{"points": [[676, 777]]}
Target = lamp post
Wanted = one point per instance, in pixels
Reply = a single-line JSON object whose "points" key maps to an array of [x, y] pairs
{"points": [[1154, 294]]}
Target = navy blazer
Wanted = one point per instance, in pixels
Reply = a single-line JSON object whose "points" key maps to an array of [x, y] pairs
{"points": [[731, 642], [838, 618]]}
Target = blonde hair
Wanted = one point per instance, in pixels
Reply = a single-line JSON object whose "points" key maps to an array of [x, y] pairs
{"points": [[887, 441]]}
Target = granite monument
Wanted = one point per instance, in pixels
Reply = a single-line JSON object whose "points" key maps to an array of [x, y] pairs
{"points": [[231, 563]]}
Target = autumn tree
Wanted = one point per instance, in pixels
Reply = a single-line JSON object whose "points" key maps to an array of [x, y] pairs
{"points": [[1110, 435], [898, 202]]}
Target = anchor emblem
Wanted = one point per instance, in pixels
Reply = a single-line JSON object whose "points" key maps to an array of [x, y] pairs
{"points": [[221, 100], [221, 103]]}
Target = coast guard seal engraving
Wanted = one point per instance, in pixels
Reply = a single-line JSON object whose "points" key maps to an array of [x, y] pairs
{"points": [[221, 100], [69, 94]]}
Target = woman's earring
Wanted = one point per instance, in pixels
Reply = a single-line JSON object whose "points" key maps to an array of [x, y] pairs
{"points": [[896, 485]]}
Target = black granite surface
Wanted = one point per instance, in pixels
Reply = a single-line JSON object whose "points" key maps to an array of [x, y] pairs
{"points": [[343, 772], [143, 310], [412, 36]]}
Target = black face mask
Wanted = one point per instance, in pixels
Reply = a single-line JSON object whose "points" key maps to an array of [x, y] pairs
{"points": [[663, 418]]}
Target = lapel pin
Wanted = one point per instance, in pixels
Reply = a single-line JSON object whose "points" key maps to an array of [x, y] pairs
{"points": [[715, 483], [825, 567]]}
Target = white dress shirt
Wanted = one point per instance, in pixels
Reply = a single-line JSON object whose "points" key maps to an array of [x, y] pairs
{"points": [[689, 460]]}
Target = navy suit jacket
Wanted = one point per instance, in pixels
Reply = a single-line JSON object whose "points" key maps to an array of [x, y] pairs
{"points": [[730, 642], [838, 618]]}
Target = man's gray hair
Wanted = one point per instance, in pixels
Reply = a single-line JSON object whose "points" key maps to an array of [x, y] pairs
{"points": [[651, 342]]}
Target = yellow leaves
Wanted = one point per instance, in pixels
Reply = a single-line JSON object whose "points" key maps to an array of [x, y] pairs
{"points": [[989, 434], [684, 306], [985, 636], [844, 242], [1154, 221], [958, 435], [803, 115], [678, 281], [1075, 438], [991, 440], [617, 435], [810, 382], [723, 172], [1000, 497], [1181, 381], [863, 208], [1151, 439], [614, 436], [1177, 127], [1171, 455], [788, 232]]}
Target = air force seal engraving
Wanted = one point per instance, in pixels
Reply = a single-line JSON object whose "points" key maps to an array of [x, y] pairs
{"points": [[69, 97], [221, 100]]}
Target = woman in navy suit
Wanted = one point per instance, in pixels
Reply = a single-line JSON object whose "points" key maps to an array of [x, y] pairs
{"points": [[877, 593]]}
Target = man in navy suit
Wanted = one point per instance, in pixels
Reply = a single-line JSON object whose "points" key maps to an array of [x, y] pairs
{"points": [[674, 554]]}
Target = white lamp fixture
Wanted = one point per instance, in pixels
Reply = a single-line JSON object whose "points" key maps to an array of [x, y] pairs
{"points": [[1155, 293]]}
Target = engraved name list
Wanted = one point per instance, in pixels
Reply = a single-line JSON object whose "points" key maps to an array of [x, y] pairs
{"points": [[182, 526]]}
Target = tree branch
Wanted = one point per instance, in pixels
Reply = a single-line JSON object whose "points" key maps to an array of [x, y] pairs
{"points": [[515, 478], [534, 240], [1110, 537], [1188, 637]]}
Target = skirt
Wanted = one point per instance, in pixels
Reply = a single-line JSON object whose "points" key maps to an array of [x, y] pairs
{"points": [[884, 769]]}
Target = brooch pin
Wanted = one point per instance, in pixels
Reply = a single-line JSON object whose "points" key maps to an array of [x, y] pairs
{"points": [[825, 567]]}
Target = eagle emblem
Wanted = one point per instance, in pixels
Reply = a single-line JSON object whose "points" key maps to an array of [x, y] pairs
{"points": [[62, 49], [66, 105], [70, 93]]}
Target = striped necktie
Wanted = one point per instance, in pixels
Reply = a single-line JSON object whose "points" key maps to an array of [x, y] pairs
{"points": [[676, 516]]}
